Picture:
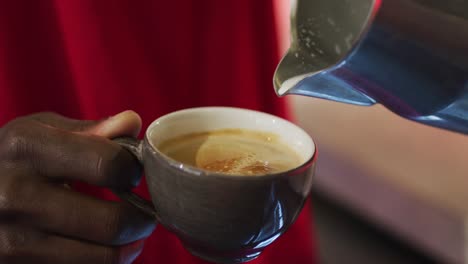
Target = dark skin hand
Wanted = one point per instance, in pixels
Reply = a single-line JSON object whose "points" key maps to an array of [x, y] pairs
{"points": [[42, 220]]}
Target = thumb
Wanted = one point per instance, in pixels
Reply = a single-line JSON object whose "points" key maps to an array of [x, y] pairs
{"points": [[127, 123]]}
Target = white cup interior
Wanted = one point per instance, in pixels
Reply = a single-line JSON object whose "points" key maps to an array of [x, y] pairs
{"points": [[205, 119]]}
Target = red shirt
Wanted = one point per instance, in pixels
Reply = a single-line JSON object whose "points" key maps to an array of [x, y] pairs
{"points": [[91, 59]]}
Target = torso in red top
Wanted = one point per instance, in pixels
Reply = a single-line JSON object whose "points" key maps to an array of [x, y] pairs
{"points": [[91, 59]]}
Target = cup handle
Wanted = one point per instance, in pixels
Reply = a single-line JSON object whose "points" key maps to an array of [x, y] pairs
{"points": [[135, 147]]}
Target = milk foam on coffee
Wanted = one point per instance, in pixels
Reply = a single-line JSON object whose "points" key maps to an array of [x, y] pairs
{"points": [[233, 151]]}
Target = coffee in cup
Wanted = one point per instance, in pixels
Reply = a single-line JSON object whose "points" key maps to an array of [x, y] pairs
{"points": [[233, 151]]}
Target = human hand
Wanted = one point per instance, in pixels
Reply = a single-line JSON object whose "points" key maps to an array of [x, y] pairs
{"points": [[44, 221]]}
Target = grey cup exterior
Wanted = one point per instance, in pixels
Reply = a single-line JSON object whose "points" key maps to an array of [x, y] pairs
{"points": [[222, 218]]}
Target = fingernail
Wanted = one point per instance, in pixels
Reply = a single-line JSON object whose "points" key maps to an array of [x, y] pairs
{"points": [[126, 123], [106, 127]]}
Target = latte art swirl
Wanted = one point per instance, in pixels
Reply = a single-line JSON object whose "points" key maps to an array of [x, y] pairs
{"points": [[233, 151]]}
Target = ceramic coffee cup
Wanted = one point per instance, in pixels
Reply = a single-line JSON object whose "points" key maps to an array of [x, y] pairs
{"points": [[219, 217]]}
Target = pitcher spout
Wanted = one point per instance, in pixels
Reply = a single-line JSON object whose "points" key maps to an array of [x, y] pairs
{"points": [[325, 86], [320, 44], [329, 84]]}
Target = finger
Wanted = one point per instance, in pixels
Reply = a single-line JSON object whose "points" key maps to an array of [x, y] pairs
{"points": [[68, 213], [63, 155], [127, 123], [58, 121], [20, 244], [60, 250], [15, 241]]}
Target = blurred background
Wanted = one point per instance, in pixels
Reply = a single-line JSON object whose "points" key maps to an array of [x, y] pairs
{"points": [[387, 190]]}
